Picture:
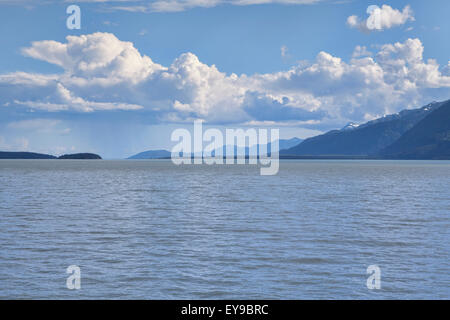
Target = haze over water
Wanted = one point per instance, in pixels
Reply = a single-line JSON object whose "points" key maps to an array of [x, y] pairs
{"points": [[152, 230]]}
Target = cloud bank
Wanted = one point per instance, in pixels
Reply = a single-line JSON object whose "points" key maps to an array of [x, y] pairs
{"points": [[100, 73]]}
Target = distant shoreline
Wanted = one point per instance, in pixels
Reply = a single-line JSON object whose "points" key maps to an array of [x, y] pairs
{"points": [[6, 155], [91, 156]]}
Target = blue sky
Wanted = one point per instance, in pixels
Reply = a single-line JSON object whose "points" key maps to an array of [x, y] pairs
{"points": [[136, 70]]}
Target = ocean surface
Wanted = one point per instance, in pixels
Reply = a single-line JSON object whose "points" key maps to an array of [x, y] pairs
{"points": [[152, 230]]}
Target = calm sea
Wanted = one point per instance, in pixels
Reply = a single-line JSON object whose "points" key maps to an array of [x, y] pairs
{"points": [[151, 230]]}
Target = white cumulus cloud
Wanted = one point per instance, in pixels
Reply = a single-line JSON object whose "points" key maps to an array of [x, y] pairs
{"points": [[382, 18], [324, 93]]}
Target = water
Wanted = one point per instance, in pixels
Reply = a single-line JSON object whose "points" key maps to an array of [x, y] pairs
{"points": [[151, 230]]}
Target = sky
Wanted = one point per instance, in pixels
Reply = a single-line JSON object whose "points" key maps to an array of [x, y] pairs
{"points": [[137, 70]]}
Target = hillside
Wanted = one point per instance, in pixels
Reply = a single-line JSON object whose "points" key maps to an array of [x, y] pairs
{"points": [[152, 154], [24, 155], [81, 156], [428, 139], [366, 139]]}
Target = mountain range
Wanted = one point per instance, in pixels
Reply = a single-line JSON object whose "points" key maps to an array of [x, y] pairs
{"points": [[164, 154], [422, 133], [428, 139]]}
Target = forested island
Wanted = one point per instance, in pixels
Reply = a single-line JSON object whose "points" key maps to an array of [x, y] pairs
{"points": [[33, 155]]}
